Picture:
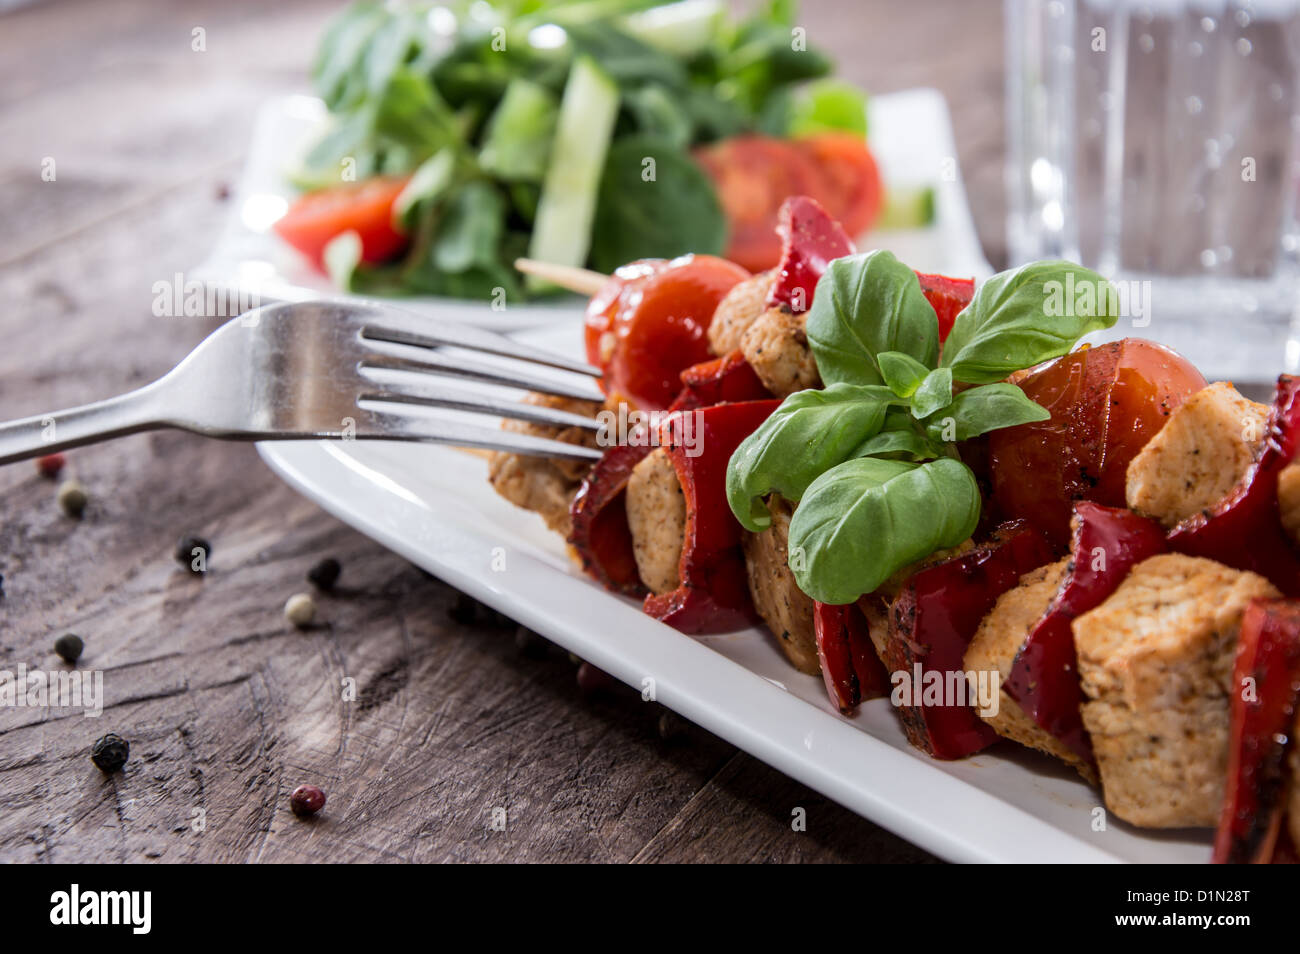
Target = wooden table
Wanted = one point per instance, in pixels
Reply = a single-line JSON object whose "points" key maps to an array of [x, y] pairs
{"points": [[226, 708]]}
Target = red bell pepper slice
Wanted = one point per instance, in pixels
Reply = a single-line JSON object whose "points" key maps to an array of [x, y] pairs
{"points": [[948, 296], [713, 596], [1265, 692], [810, 240], [600, 532], [1106, 542], [1244, 530], [723, 380], [932, 621], [852, 670]]}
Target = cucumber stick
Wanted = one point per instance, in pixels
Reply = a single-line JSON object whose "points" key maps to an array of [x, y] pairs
{"points": [[562, 230], [684, 29], [907, 207]]}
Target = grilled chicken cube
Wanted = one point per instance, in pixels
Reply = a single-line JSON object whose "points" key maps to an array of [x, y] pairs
{"points": [[1156, 664], [776, 346], [739, 309], [1198, 456], [656, 515], [1288, 499], [785, 608], [995, 645], [542, 484]]}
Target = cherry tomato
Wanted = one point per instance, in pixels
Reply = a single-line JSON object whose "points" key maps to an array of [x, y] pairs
{"points": [[851, 187], [651, 322], [598, 333], [1106, 402], [753, 176], [365, 208]]}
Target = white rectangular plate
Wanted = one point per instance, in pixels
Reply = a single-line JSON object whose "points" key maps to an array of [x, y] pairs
{"points": [[434, 506]]}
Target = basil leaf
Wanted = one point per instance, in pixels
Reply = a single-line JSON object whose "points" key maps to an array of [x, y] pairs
{"points": [[865, 519], [934, 394], [865, 305], [1025, 316], [903, 374], [809, 433], [979, 410], [908, 445]]}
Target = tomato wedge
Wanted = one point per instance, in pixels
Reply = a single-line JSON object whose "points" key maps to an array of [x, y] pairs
{"points": [[754, 175], [850, 182], [366, 208]]}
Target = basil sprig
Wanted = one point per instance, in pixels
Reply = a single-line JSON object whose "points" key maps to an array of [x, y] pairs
{"points": [[871, 461], [1025, 316]]}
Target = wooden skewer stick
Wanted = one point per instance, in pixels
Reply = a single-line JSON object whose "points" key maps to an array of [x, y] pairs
{"points": [[581, 280]]}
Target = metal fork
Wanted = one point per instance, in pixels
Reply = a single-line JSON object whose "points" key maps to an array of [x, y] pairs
{"points": [[302, 370]]}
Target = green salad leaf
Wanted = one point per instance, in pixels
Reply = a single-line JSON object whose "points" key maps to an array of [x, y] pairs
{"points": [[485, 79], [653, 202]]}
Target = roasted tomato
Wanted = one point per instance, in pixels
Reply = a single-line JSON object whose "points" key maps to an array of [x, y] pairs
{"points": [[364, 207], [651, 321], [1106, 402]]}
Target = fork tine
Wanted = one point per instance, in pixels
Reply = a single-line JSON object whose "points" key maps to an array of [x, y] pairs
{"points": [[382, 425], [491, 374], [390, 324], [432, 395]]}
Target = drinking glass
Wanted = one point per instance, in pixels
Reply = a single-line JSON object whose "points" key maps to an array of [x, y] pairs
{"points": [[1156, 142]]}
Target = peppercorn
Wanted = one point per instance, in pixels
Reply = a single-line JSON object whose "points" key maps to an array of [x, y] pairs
{"points": [[72, 497], [325, 574], [592, 680], [50, 465], [465, 611], [671, 726], [306, 800], [69, 647], [300, 609], [530, 644], [110, 753], [192, 553]]}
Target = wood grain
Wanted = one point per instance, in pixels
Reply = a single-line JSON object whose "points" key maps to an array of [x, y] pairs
{"points": [[227, 708]]}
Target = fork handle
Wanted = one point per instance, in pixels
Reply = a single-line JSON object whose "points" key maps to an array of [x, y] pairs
{"points": [[59, 430]]}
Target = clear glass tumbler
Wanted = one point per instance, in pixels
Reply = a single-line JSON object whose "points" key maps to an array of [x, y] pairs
{"points": [[1157, 142]]}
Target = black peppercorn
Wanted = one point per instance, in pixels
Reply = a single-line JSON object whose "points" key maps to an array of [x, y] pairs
{"points": [[465, 611], [325, 574], [530, 644], [306, 800], [192, 553], [69, 647], [110, 753]]}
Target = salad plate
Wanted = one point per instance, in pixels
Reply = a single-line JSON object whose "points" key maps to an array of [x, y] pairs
{"points": [[911, 137], [434, 506]]}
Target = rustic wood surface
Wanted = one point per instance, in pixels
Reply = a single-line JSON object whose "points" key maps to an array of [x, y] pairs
{"points": [[226, 708]]}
